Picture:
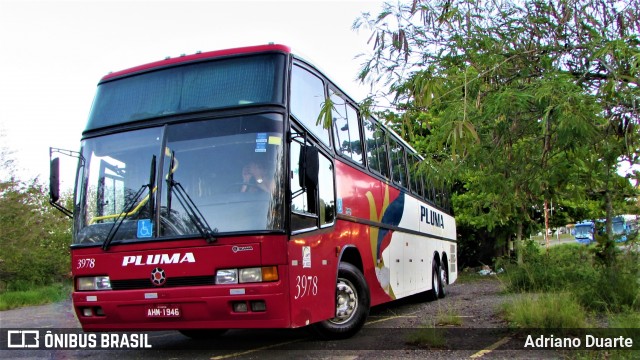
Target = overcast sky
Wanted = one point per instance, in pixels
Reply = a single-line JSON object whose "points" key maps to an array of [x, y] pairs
{"points": [[54, 52]]}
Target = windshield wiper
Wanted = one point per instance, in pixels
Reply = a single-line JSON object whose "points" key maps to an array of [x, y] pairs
{"points": [[128, 208], [187, 203], [170, 182], [152, 185]]}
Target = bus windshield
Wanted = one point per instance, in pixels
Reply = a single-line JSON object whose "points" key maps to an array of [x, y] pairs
{"points": [[226, 173], [618, 226], [583, 230], [238, 81]]}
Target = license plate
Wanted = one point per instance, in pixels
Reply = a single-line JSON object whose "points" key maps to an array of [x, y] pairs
{"points": [[163, 311]]}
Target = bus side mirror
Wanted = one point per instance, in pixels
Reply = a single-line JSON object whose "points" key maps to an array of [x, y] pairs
{"points": [[310, 161], [54, 180], [54, 183]]}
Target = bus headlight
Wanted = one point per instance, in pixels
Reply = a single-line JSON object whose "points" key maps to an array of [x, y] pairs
{"points": [[247, 275], [227, 276], [93, 283], [250, 275]]}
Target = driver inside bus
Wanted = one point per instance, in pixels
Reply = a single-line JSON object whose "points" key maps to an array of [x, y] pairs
{"points": [[255, 178]]}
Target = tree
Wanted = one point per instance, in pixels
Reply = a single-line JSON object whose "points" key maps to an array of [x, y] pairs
{"points": [[34, 237], [522, 104]]}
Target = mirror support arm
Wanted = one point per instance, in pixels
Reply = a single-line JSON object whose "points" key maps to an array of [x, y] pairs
{"points": [[54, 178]]}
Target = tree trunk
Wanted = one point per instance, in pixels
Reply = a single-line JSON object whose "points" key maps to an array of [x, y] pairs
{"points": [[519, 243], [546, 224], [609, 220], [609, 246]]}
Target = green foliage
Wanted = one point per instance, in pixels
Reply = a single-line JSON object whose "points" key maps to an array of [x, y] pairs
{"points": [[515, 103], [325, 115], [575, 268], [478, 245], [616, 288], [626, 320], [557, 270], [34, 295], [546, 311], [427, 337], [431, 335], [448, 317], [34, 237]]}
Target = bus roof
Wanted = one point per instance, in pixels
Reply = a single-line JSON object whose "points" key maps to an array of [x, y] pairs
{"points": [[198, 56], [237, 51]]}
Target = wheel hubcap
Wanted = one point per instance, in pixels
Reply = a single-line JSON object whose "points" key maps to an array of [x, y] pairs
{"points": [[443, 277], [346, 301]]}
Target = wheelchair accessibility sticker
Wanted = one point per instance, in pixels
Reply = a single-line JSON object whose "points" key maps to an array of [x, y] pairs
{"points": [[145, 228]]}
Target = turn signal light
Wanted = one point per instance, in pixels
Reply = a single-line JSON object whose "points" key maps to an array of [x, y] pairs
{"points": [[270, 273], [247, 275]]}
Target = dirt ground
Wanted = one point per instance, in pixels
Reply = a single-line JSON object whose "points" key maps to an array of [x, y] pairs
{"points": [[474, 301], [478, 300]]}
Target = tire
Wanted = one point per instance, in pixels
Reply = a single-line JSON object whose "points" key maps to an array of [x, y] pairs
{"points": [[434, 294], [352, 305], [203, 334], [443, 280]]}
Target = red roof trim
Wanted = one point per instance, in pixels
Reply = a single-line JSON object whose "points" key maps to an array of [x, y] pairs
{"points": [[199, 56]]}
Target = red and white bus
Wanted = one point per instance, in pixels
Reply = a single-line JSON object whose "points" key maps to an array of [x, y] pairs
{"points": [[208, 197]]}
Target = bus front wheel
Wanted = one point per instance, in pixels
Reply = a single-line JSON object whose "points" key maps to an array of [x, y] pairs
{"points": [[352, 305]]}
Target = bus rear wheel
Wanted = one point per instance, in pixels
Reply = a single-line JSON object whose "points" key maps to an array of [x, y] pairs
{"points": [[434, 294], [443, 281], [352, 305]]}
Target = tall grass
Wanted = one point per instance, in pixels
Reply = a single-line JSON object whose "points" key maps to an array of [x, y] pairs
{"points": [[546, 311], [36, 296], [431, 335], [428, 337], [575, 269], [629, 320], [626, 324], [448, 317]]}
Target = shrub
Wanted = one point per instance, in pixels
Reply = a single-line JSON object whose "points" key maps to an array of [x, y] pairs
{"points": [[34, 237], [560, 268], [574, 268], [626, 320], [34, 295], [616, 288]]}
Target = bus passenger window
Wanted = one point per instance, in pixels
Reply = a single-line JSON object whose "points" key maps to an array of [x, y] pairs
{"points": [[397, 163], [428, 190], [346, 131], [375, 139], [307, 98], [414, 175]]}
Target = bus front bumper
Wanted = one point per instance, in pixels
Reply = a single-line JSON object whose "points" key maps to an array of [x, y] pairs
{"points": [[263, 305]]}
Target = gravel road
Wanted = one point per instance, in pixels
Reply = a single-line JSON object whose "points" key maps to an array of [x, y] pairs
{"points": [[477, 303]]}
